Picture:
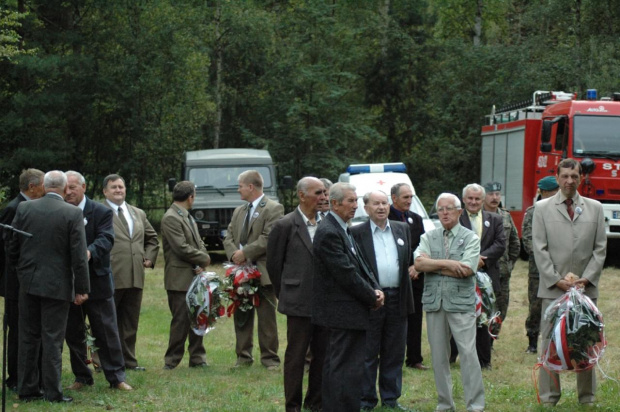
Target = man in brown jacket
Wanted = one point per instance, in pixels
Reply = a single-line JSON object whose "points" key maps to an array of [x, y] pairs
{"points": [[185, 255], [135, 248]]}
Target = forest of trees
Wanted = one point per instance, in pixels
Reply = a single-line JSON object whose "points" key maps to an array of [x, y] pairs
{"points": [[127, 86]]}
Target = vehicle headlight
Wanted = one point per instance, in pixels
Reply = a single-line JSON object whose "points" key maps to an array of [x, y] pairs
{"points": [[199, 214]]}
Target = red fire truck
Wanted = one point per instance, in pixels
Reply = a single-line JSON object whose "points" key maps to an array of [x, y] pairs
{"points": [[524, 142]]}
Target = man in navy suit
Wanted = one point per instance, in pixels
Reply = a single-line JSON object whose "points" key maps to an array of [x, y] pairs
{"points": [[344, 290], [489, 228], [100, 307], [30, 188], [289, 263], [386, 246]]}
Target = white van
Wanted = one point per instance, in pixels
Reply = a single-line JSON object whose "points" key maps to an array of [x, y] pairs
{"points": [[381, 176]]}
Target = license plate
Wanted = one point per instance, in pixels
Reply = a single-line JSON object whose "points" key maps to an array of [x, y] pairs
{"points": [[206, 226], [616, 214]]}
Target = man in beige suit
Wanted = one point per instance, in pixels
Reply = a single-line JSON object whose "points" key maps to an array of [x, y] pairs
{"points": [[568, 237], [135, 248], [246, 242], [185, 256]]}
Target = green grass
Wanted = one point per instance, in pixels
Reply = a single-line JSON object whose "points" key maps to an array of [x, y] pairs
{"points": [[508, 387]]}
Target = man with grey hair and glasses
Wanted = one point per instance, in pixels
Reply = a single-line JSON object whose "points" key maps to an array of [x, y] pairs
{"points": [[449, 257]]}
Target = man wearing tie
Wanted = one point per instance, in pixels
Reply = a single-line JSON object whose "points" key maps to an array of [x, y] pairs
{"points": [[402, 196], [135, 248], [568, 237], [385, 245], [246, 243], [289, 261], [344, 291], [490, 230], [185, 256], [100, 305]]}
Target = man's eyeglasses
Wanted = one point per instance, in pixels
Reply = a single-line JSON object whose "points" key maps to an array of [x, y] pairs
{"points": [[448, 209]]}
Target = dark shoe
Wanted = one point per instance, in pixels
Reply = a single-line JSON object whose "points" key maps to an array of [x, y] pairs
{"points": [[532, 349], [30, 398], [65, 399], [136, 368], [486, 367], [420, 366], [452, 359], [169, 367], [198, 365]]}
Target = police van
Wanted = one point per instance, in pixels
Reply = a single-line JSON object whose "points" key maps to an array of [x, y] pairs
{"points": [[381, 176]]}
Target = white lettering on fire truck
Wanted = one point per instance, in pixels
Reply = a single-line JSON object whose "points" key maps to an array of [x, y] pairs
{"points": [[542, 161], [599, 109]]}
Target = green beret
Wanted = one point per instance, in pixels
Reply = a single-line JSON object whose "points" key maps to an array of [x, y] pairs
{"points": [[548, 183], [493, 187]]}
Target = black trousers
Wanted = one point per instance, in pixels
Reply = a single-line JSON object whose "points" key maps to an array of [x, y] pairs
{"points": [[414, 330]]}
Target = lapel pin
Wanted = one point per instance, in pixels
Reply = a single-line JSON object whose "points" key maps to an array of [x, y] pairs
{"points": [[410, 220], [400, 242], [487, 224], [255, 215], [85, 221], [578, 210], [460, 242]]}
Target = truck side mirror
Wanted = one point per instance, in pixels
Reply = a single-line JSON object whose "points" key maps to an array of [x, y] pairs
{"points": [[172, 182], [545, 147], [287, 183], [546, 132]]}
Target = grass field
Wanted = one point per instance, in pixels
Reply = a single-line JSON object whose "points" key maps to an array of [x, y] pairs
{"points": [[508, 387]]}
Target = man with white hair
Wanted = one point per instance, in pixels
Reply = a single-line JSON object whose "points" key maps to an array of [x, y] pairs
{"points": [[449, 258]]}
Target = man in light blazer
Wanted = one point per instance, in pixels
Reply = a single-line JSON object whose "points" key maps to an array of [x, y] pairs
{"points": [[568, 235], [344, 291], [289, 262], [246, 242], [135, 248], [100, 306], [386, 246], [489, 228], [185, 256], [52, 269]]}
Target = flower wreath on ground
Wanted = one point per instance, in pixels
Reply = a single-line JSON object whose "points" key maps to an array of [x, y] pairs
{"points": [[204, 302], [243, 290], [485, 305]]}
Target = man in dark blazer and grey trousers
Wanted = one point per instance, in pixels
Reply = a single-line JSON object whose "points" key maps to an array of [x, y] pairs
{"points": [[289, 263], [52, 270], [385, 245], [489, 228], [344, 291], [100, 307]]}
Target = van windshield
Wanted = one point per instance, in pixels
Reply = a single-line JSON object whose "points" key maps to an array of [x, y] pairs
{"points": [[224, 177], [596, 136]]}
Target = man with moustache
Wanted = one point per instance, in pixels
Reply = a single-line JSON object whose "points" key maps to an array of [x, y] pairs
{"points": [[568, 238], [492, 200], [385, 245], [489, 229], [402, 196], [100, 307], [135, 248], [289, 262], [344, 290], [547, 186], [449, 256], [185, 256], [52, 270], [30, 188]]}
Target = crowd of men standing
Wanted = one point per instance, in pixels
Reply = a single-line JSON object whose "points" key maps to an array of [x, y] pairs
{"points": [[353, 296]]}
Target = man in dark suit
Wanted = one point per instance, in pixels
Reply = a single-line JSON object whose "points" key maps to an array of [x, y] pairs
{"points": [[246, 242], [385, 245], [289, 262], [30, 188], [489, 228], [135, 248], [100, 308], [52, 270], [343, 292], [185, 256], [399, 210]]}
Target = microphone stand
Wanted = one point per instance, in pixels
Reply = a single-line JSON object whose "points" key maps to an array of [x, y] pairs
{"points": [[5, 321]]}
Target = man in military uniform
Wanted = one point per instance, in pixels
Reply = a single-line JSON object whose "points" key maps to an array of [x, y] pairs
{"points": [[492, 203], [547, 186]]}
